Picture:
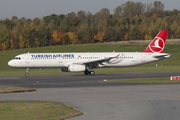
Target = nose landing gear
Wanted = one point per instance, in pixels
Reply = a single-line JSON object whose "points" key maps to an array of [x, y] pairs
{"points": [[27, 70]]}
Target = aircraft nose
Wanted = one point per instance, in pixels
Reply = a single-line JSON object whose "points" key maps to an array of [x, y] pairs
{"points": [[10, 63]]}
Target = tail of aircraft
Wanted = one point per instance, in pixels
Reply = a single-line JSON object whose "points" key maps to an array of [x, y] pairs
{"points": [[158, 44]]}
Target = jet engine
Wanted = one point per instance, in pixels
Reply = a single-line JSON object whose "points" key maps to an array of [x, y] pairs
{"points": [[74, 68]]}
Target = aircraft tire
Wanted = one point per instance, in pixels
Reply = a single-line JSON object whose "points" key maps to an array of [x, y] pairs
{"points": [[26, 74], [92, 72], [86, 72]]}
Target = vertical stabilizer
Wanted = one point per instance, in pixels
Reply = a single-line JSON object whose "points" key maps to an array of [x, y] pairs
{"points": [[158, 44]]}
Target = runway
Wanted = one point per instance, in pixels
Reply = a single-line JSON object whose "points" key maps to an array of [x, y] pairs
{"points": [[103, 101], [77, 80]]}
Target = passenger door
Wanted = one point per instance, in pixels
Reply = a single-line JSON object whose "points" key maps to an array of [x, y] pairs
{"points": [[27, 58]]}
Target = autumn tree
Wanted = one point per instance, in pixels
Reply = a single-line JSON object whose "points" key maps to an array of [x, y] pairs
{"points": [[59, 37], [43, 32], [145, 30], [135, 33], [130, 9], [21, 42], [56, 37], [13, 41], [118, 12], [174, 27], [26, 35], [14, 19], [73, 37], [4, 41], [111, 34], [102, 15], [99, 37], [120, 31], [37, 43], [9, 24], [158, 7], [36, 21]]}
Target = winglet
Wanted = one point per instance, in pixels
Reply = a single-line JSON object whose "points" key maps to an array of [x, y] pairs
{"points": [[158, 44]]}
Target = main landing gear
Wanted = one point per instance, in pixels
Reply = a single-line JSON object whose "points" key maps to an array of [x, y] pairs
{"points": [[86, 72], [27, 70]]}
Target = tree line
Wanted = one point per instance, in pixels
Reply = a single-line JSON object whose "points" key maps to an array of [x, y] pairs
{"points": [[130, 21]]}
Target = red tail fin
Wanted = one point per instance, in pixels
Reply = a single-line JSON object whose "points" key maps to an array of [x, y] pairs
{"points": [[158, 44]]}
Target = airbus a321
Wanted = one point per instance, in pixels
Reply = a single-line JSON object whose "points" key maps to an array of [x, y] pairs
{"points": [[86, 62]]}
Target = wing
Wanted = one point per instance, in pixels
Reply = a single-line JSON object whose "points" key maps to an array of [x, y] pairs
{"points": [[97, 63]]}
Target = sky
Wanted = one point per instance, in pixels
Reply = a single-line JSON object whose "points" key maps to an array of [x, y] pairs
{"points": [[40, 8]]}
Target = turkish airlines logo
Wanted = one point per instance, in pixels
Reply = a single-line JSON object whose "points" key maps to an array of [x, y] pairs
{"points": [[157, 45]]}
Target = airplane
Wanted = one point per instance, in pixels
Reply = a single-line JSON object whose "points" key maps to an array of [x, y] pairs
{"points": [[86, 62]]}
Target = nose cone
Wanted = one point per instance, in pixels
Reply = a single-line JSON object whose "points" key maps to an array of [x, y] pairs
{"points": [[10, 63]]}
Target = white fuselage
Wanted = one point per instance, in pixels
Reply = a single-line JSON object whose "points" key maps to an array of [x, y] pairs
{"points": [[63, 60]]}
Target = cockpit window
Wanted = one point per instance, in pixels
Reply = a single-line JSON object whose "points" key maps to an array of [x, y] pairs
{"points": [[17, 58]]}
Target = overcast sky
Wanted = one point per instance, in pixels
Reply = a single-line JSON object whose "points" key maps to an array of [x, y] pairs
{"points": [[41, 8]]}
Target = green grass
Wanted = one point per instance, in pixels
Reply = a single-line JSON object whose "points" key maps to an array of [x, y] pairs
{"points": [[146, 80], [35, 110], [171, 64]]}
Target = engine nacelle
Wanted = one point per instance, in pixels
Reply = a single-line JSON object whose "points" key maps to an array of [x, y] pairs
{"points": [[74, 68]]}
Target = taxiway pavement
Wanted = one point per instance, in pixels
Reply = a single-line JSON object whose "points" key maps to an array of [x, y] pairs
{"points": [[77, 80]]}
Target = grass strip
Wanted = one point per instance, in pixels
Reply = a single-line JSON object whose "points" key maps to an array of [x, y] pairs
{"points": [[35, 110], [145, 80], [12, 89]]}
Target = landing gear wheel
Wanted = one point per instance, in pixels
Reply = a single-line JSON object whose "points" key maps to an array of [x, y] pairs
{"points": [[92, 72], [86, 72], [27, 70], [26, 74]]}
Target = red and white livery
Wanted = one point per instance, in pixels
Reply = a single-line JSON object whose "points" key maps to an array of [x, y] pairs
{"points": [[158, 44]]}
